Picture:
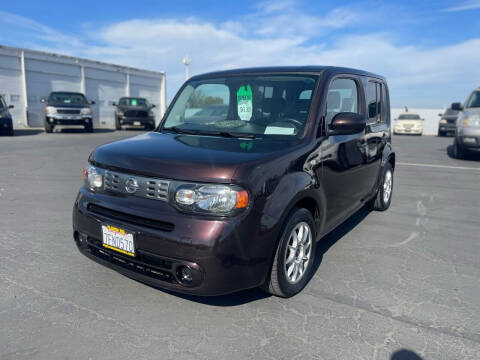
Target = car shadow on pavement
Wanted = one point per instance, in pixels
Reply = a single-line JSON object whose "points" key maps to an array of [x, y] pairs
{"points": [[27, 132], [82, 131], [404, 354], [336, 234], [468, 156], [246, 296]]}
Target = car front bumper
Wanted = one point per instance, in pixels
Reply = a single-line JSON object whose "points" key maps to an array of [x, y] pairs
{"points": [[6, 124], [225, 255], [447, 128], [66, 120], [469, 138], [127, 120], [413, 131]]}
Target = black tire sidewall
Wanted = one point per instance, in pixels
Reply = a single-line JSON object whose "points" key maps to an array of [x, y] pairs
{"points": [[384, 172], [297, 216]]}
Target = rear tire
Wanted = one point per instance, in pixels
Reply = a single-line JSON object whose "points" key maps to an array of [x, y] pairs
{"points": [[49, 128], [383, 199], [294, 257], [458, 151]]}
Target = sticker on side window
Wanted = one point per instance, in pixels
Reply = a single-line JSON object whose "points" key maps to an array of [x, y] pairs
{"points": [[244, 103]]}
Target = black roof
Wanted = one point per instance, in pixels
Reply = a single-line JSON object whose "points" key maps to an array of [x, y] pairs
{"points": [[132, 97], [307, 69]]}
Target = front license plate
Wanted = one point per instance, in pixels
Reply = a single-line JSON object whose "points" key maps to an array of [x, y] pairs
{"points": [[137, 123], [118, 239]]}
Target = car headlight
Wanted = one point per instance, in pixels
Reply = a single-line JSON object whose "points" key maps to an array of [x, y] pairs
{"points": [[213, 199], [93, 177], [443, 121], [119, 112], [50, 110], [471, 120], [86, 111]]}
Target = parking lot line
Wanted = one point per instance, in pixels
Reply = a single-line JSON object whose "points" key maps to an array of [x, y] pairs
{"points": [[440, 166]]}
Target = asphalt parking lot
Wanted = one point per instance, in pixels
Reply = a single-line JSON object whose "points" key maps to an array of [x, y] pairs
{"points": [[386, 283]]}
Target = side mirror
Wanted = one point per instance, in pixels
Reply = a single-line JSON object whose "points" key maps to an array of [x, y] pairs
{"points": [[440, 114], [114, 103], [457, 106], [347, 123], [92, 102], [153, 105], [11, 106]]}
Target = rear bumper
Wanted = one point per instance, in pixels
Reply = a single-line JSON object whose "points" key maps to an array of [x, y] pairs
{"points": [[225, 255]]}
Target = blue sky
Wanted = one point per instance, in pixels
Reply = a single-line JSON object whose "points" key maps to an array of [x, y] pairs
{"points": [[428, 50]]}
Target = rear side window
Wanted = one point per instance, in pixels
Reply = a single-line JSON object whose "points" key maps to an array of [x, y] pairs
{"points": [[342, 96], [376, 96]]}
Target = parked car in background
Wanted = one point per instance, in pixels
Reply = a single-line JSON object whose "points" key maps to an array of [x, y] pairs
{"points": [[134, 111], [67, 109], [448, 122], [408, 123], [6, 122], [467, 134], [240, 201]]}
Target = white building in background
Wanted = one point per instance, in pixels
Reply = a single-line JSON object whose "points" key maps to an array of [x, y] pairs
{"points": [[27, 75]]}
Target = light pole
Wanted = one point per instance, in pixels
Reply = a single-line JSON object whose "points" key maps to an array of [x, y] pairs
{"points": [[186, 61]]}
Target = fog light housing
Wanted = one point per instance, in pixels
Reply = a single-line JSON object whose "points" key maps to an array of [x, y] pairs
{"points": [[184, 274]]}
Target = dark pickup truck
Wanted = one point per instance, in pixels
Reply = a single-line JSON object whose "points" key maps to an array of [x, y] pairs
{"points": [[134, 111], [214, 204]]}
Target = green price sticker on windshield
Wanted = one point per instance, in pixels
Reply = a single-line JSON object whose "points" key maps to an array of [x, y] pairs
{"points": [[244, 103], [134, 102]]}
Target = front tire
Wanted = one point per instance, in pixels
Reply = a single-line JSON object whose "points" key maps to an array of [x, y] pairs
{"points": [[458, 151], [118, 126], [89, 127], [383, 199], [48, 128], [294, 257]]}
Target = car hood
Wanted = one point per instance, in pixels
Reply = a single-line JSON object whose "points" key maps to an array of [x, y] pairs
{"points": [[74, 106], [471, 111], [185, 157], [125, 108]]}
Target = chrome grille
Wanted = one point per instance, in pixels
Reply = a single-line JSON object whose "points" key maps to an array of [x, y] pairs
{"points": [[68, 111], [150, 188]]}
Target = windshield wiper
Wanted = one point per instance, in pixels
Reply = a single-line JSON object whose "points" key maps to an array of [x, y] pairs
{"points": [[180, 130], [227, 134]]}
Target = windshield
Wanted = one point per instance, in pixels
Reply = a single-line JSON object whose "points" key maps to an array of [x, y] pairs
{"points": [[409, 117], [253, 106], [450, 112], [67, 99], [474, 100], [133, 102]]}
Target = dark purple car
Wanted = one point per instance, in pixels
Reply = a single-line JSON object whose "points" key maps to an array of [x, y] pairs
{"points": [[238, 198]]}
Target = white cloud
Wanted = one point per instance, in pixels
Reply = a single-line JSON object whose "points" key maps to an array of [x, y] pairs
{"points": [[418, 76], [469, 5]]}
